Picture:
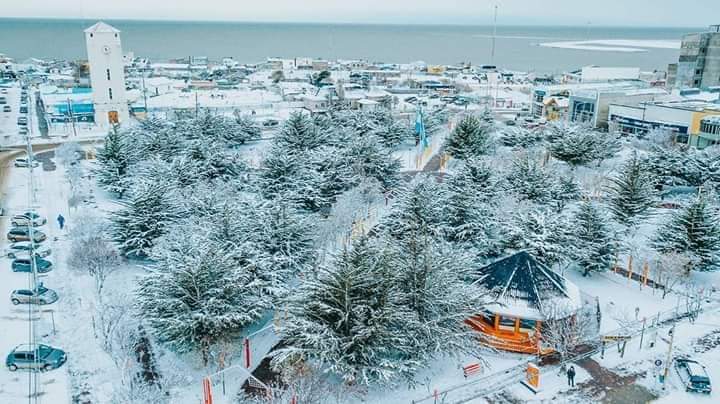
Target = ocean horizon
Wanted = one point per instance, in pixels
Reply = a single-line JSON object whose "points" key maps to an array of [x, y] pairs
{"points": [[542, 49]]}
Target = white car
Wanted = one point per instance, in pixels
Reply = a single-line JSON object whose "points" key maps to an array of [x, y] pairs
{"points": [[21, 162], [26, 218], [21, 248]]}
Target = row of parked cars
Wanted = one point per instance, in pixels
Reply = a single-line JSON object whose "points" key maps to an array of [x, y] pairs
{"points": [[25, 250]]}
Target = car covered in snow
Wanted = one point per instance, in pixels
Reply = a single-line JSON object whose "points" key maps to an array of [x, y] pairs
{"points": [[24, 264], [23, 234], [24, 163], [41, 295], [21, 248], [24, 219], [693, 375], [35, 358]]}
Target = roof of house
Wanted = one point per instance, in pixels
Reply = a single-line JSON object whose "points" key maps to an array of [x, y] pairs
{"points": [[102, 27], [523, 287]]}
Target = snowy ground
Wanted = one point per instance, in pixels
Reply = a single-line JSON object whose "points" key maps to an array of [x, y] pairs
{"points": [[14, 319]]}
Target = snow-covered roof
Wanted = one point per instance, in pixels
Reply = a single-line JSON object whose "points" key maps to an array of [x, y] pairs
{"points": [[102, 27], [523, 287]]}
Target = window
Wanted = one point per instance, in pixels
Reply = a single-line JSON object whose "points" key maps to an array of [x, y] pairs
{"points": [[107, 72], [91, 35], [528, 324], [110, 93], [507, 321]]}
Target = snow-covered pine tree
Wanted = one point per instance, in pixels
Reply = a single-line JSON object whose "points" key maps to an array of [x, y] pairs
{"points": [[529, 179], [470, 138], [244, 129], [544, 234], [694, 232], [196, 295], [594, 246], [299, 133], [144, 216], [564, 190], [433, 276], [579, 145], [470, 211], [348, 321], [519, 137], [631, 193], [112, 164]]}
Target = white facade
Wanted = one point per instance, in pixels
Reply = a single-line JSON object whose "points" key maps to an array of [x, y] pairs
{"points": [[593, 74], [107, 74]]}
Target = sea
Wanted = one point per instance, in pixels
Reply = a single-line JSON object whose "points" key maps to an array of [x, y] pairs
{"points": [[516, 47]]}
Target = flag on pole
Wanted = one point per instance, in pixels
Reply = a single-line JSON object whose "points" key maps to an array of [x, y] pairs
{"points": [[420, 126]]}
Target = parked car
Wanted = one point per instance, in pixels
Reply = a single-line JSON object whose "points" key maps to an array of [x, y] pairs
{"points": [[41, 296], [22, 121], [23, 234], [36, 358], [23, 264], [270, 123], [24, 219], [693, 375], [23, 130], [23, 163], [21, 248], [7, 108]]}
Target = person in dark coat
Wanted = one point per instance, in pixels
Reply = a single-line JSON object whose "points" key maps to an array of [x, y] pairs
{"points": [[61, 221], [571, 376]]}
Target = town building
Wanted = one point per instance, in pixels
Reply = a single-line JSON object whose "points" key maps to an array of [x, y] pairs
{"points": [[699, 62], [683, 117], [107, 74]]}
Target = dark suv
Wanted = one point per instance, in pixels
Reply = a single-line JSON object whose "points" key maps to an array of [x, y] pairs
{"points": [[23, 264]]}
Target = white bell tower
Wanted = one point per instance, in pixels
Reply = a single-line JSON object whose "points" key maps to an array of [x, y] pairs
{"points": [[107, 74]]}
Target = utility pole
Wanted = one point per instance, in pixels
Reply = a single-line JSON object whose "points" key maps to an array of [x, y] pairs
{"points": [[72, 117], [492, 52], [669, 357]]}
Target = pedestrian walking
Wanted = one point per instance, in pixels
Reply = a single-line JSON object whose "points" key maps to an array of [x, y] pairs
{"points": [[61, 221], [571, 376]]}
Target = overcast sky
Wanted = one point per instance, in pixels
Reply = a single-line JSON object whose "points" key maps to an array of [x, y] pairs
{"points": [[682, 13]]}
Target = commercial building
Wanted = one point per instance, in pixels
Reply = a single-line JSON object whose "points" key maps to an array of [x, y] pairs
{"points": [[684, 117], [67, 104], [709, 131], [588, 102], [699, 62]]}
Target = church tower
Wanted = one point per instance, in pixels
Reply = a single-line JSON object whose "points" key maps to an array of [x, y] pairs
{"points": [[107, 74]]}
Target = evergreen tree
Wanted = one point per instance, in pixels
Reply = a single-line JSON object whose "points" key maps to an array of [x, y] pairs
{"points": [[299, 133], [542, 233], [530, 180], [348, 319], [594, 246], [112, 163], [578, 145], [470, 211], [631, 192], [196, 295], [564, 190], [143, 218], [470, 138], [693, 231], [517, 136]]}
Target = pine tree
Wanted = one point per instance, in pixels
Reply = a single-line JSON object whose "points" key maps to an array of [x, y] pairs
{"points": [[530, 180], [578, 145], [516, 136], [299, 133], [348, 320], [542, 233], [564, 190], [470, 138], [631, 192], [113, 164], [196, 295], [434, 277], [594, 246], [470, 211], [143, 218], [693, 231]]}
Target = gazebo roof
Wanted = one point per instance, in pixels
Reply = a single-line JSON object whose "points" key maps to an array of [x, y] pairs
{"points": [[523, 287]]}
